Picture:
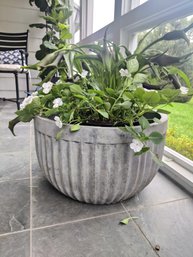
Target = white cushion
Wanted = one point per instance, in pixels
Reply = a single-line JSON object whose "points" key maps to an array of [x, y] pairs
{"points": [[10, 67]]}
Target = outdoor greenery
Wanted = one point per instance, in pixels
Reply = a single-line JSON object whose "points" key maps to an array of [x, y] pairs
{"points": [[172, 48], [104, 84], [180, 133], [180, 136]]}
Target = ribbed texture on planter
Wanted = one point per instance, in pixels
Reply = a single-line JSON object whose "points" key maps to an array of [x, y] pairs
{"points": [[95, 164]]}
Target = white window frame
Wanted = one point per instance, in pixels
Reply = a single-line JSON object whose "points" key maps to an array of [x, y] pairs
{"points": [[122, 31]]}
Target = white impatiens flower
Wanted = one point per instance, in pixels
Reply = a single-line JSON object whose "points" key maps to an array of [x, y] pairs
{"points": [[136, 145], [184, 90], [27, 101], [47, 87], [84, 74], [58, 121], [57, 102], [124, 73]]}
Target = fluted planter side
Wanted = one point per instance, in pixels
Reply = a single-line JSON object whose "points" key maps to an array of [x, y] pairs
{"points": [[95, 164]]}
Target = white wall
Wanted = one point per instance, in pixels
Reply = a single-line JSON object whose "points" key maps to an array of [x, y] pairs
{"points": [[15, 16]]}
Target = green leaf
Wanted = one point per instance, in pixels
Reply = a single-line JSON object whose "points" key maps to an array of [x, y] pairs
{"points": [[12, 124], [127, 96], [131, 131], [80, 96], [98, 100], [156, 137], [51, 112], [30, 111], [175, 70], [163, 111], [151, 98], [75, 127], [110, 91], [144, 123], [127, 220], [126, 105], [139, 93], [59, 134], [50, 45], [107, 106], [143, 150], [156, 160], [139, 78], [103, 113], [133, 65], [156, 120], [76, 89]]}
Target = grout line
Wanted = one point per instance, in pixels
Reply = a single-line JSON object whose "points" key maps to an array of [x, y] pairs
{"points": [[79, 220], [15, 232], [57, 225], [144, 207], [30, 171], [139, 228], [19, 179]]}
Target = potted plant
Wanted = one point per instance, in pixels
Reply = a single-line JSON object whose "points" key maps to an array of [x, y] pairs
{"points": [[100, 128]]}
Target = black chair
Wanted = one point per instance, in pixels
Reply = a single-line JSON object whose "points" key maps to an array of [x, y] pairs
{"points": [[14, 55]]}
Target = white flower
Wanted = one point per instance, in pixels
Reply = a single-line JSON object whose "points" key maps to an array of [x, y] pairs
{"points": [[58, 121], [47, 87], [27, 101], [136, 145], [57, 102], [124, 73], [84, 74], [184, 90]]}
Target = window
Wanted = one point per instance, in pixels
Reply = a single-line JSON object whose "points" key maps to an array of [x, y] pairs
{"points": [[103, 13], [180, 133], [131, 17]]}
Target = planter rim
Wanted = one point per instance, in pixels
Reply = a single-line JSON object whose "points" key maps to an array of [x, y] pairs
{"points": [[163, 119], [95, 134]]}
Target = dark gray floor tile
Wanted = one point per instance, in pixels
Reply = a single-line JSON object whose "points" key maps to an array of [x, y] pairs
{"points": [[14, 144], [170, 226], [14, 165], [16, 245], [14, 206], [52, 207], [101, 237], [160, 190], [36, 170]]}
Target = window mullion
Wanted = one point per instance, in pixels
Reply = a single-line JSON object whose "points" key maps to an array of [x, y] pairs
{"points": [[86, 18]]}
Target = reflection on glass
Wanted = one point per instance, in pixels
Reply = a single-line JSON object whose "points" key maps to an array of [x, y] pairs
{"points": [[103, 13], [180, 132]]}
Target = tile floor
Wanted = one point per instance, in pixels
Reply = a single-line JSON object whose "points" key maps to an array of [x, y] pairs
{"points": [[38, 221]]}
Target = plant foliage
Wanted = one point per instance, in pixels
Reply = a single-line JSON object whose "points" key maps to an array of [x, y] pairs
{"points": [[104, 84]]}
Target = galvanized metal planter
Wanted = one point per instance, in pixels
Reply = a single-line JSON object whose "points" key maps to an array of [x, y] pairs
{"points": [[95, 165]]}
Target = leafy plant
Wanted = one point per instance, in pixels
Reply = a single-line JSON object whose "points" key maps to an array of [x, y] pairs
{"points": [[105, 84], [56, 17]]}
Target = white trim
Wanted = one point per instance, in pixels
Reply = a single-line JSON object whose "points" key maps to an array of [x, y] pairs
{"points": [[86, 18], [145, 16], [178, 158], [178, 173]]}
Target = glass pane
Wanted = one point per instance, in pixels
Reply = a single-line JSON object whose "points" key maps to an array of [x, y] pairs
{"points": [[103, 13], [180, 132], [131, 4], [76, 21]]}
